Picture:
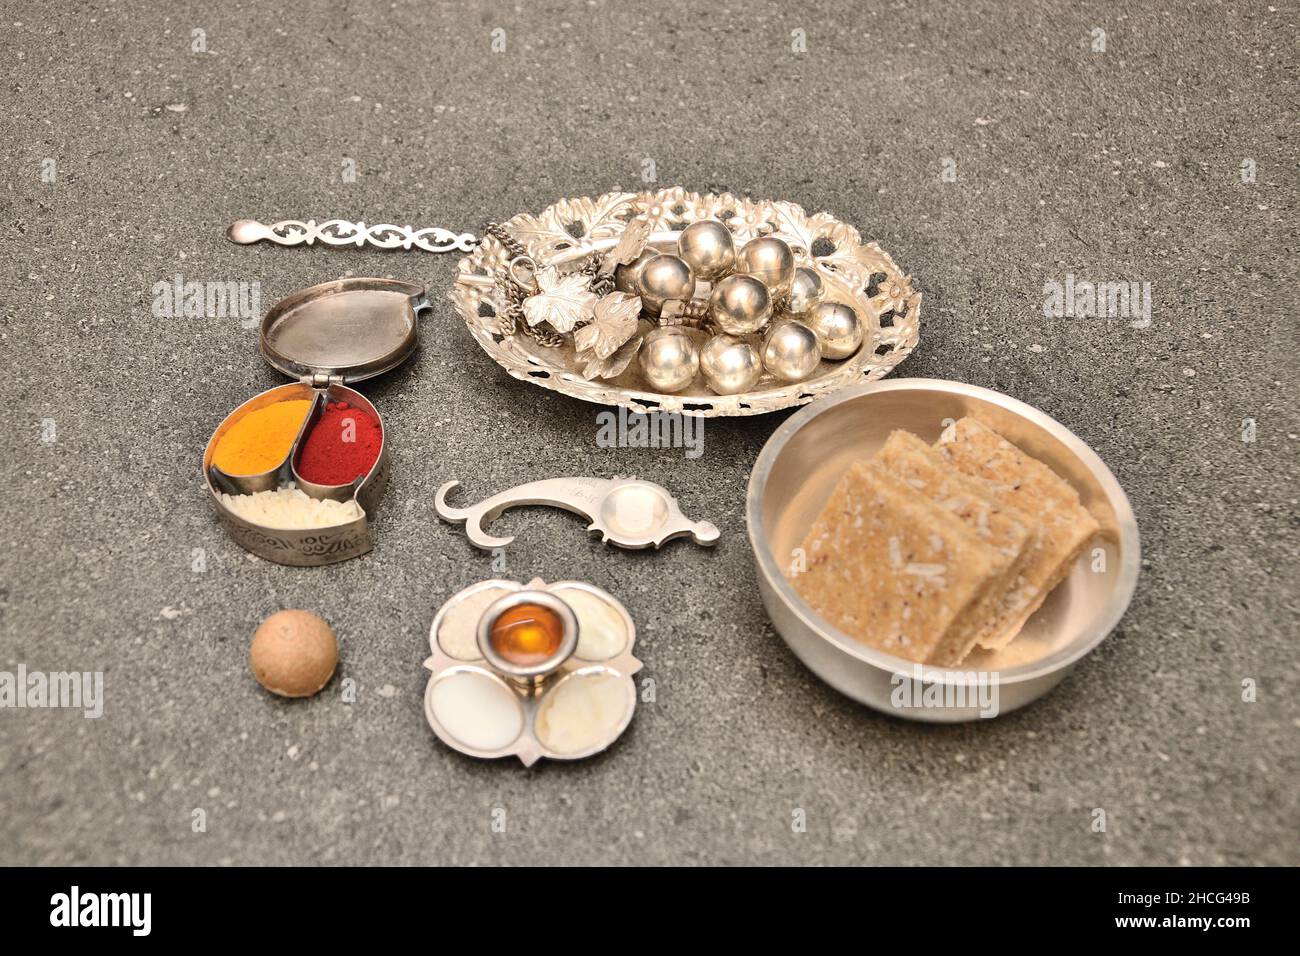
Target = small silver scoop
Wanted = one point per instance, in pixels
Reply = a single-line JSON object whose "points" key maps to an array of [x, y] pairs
{"points": [[629, 513]]}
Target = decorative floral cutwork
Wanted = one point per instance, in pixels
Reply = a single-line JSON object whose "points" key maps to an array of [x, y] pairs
{"points": [[572, 233]]}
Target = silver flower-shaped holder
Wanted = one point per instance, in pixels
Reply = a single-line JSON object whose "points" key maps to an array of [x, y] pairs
{"points": [[578, 707]]}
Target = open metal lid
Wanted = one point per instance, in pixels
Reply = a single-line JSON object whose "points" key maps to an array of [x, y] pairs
{"points": [[346, 330]]}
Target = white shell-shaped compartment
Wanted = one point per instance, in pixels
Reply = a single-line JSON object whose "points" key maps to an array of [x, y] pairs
{"points": [[474, 710], [604, 628], [578, 711], [455, 626], [583, 711], [570, 232]]}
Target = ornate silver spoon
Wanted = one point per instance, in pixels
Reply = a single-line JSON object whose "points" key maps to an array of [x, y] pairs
{"points": [[342, 232]]}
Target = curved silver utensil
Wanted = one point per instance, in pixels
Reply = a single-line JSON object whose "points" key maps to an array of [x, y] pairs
{"points": [[342, 232], [628, 513]]}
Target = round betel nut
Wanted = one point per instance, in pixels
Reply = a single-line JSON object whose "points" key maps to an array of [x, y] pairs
{"points": [[294, 653]]}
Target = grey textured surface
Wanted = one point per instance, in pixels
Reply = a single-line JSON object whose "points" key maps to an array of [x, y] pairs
{"points": [[1117, 165]]}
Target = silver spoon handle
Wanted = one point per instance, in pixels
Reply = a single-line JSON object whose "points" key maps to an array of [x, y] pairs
{"points": [[341, 232]]}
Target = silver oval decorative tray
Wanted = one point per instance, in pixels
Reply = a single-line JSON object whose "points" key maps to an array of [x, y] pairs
{"points": [[571, 233]]}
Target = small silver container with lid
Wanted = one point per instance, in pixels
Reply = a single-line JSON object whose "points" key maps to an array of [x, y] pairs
{"points": [[327, 337]]}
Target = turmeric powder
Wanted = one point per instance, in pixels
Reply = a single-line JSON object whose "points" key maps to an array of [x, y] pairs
{"points": [[261, 439]]}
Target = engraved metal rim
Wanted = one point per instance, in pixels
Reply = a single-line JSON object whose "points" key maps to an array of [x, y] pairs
{"points": [[1096, 630], [847, 269]]}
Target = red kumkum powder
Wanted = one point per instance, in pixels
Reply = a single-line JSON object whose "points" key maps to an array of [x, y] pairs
{"points": [[342, 446]]}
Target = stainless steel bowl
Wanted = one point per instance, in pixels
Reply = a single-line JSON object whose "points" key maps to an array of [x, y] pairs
{"points": [[800, 466]]}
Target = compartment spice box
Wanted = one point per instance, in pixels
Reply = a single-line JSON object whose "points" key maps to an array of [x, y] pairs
{"points": [[297, 472]]}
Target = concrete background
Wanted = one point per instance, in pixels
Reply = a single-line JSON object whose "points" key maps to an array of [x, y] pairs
{"points": [[1124, 164]]}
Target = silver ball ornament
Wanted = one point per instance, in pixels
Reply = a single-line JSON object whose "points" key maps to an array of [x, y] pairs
{"points": [[669, 358], [837, 329], [730, 365], [806, 291], [665, 278], [707, 247], [769, 260], [790, 351], [627, 277], [740, 304]]}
